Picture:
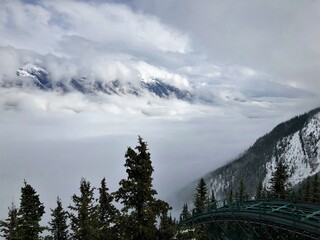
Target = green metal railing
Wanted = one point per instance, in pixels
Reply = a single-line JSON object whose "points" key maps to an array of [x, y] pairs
{"points": [[290, 214]]}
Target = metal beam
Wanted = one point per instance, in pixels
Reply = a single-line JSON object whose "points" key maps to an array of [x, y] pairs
{"points": [[312, 216], [278, 209]]}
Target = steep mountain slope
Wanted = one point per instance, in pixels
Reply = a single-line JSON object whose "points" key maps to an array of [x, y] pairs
{"points": [[296, 142], [31, 75]]}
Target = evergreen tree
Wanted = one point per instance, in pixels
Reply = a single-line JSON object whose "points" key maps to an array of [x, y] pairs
{"points": [[306, 193], [140, 208], [29, 214], [213, 201], [315, 189], [300, 192], [241, 193], [8, 227], [230, 196], [107, 212], [58, 224], [200, 201], [166, 226], [185, 232], [278, 181], [201, 197], [84, 213], [259, 191], [185, 214]]}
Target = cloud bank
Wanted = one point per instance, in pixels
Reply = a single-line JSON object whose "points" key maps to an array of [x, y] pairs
{"points": [[278, 38], [105, 41]]}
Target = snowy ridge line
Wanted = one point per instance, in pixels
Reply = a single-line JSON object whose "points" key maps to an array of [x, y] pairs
{"points": [[295, 142], [162, 84]]}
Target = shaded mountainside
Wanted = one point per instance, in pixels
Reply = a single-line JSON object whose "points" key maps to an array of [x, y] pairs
{"points": [[296, 142]]}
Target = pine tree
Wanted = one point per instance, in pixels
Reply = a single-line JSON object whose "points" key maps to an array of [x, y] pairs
{"points": [[58, 224], [278, 181], [136, 194], [259, 191], [300, 193], [29, 214], [315, 189], [241, 193], [185, 232], [166, 226], [213, 201], [200, 201], [107, 212], [84, 213], [185, 214], [200, 197], [8, 227], [230, 196], [306, 193]]}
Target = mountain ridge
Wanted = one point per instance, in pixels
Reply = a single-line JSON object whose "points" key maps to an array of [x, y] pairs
{"points": [[38, 77], [296, 142]]}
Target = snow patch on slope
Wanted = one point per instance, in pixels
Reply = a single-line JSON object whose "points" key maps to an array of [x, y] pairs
{"points": [[311, 136], [30, 70], [150, 73], [299, 151], [219, 185]]}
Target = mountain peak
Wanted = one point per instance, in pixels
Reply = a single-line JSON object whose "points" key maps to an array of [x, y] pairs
{"points": [[41, 79], [31, 70], [39, 76]]}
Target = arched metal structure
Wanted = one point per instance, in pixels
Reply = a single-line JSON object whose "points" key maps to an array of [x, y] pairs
{"points": [[297, 218]]}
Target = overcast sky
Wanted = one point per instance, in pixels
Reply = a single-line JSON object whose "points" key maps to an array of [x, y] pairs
{"points": [[257, 61]]}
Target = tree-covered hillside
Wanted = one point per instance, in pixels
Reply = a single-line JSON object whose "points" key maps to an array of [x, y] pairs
{"points": [[257, 163]]}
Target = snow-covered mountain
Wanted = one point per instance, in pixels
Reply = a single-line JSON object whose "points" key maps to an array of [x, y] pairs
{"points": [[296, 142], [31, 75]]}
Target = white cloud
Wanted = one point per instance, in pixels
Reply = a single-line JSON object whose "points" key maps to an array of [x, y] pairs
{"points": [[277, 37], [227, 86], [108, 41], [113, 23], [41, 27], [10, 62], [27, 26]]}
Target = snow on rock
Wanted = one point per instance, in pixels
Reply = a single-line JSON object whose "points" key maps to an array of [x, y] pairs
{"points": [[150, 80], [296, 142], [299, 151], [31, 70], [150, 73], [311, 138], [218, 185]]}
